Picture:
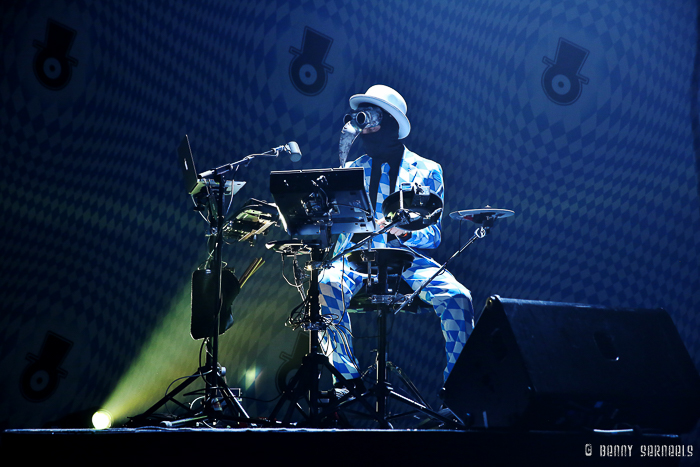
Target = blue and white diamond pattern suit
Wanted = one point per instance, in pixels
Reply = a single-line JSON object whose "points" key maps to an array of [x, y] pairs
{"points": [[450, 300], [382, 192]]}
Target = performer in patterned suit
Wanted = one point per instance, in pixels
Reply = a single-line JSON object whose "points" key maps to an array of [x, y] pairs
{"points": [[388, 164]]}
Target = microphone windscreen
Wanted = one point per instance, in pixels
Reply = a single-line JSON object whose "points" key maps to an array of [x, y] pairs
{"points": [[294, 151]]}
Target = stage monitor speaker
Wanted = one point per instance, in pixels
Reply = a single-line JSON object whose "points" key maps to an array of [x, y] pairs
{"points": [[559, 366]]}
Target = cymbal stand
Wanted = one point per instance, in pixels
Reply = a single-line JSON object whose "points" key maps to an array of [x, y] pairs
{"points": [[480, 232]]}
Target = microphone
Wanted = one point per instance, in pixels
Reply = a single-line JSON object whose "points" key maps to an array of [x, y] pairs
{"points": [[292, 148], [294, 152]]}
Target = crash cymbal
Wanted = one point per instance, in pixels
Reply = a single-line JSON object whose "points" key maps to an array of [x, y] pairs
{"points": [[478, 216]]}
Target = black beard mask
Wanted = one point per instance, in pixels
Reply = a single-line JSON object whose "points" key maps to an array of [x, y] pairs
{"points": [[384, 144]]}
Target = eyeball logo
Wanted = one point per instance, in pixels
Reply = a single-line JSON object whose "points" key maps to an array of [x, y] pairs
{"points": [[308, 69], [562, 80]]}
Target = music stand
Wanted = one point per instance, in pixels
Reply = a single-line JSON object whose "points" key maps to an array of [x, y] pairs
{"points": [[318, 203], [322, 202]]}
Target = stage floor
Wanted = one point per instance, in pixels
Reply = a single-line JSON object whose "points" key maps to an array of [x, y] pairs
{"points": [[265, 446]]}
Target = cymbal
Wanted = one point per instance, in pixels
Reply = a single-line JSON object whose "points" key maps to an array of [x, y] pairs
{"points": [[478, 216]]}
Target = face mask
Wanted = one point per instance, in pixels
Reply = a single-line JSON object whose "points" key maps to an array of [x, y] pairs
{"points": [[364, 117], [347, 137], [383, 144], [355, 122]]}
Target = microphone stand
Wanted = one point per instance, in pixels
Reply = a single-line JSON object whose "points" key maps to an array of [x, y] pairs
{"points": [[216, 388], [213, 173], [212, 377]]}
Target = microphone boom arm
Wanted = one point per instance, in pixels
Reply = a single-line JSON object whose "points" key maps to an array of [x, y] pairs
{"points": [[291, 147]]}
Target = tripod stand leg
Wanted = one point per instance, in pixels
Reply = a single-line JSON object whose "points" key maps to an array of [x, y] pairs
{"points": [[209, 413], [304, 385], [450, 422], [232, 401], [383, 390], [292, 392], [391, 368], [382, 385], [139, 420]]}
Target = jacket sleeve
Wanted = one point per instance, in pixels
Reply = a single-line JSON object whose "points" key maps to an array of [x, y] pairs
{"points": [[430, 236]]}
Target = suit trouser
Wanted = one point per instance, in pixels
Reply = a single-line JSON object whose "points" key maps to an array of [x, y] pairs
{"points": [[450, 300]]}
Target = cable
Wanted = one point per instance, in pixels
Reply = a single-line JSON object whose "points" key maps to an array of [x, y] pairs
{"points": [[228, 208], [296, 319], [298, 284]]}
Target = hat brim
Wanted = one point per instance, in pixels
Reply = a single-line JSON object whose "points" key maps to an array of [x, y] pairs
{"points": [[404, 124]]}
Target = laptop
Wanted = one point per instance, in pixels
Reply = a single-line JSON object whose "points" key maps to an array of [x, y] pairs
{"points": [[190, 176]]}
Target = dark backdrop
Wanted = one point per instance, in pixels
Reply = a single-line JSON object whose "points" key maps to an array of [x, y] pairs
{"points": [[577, 115]]}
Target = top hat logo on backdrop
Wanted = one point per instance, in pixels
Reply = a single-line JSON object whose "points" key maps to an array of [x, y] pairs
{"points": [[53, 66], [562, 80], [308, 70], [40, 378]]}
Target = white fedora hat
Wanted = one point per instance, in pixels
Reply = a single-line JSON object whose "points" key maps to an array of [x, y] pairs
{"points": [[389, 100]]}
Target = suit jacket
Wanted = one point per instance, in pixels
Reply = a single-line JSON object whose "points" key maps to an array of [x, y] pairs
{"points": [[414, 169]]}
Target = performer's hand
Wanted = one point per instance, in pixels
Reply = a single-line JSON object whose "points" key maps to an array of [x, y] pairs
{"points": [[397, 231]]}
